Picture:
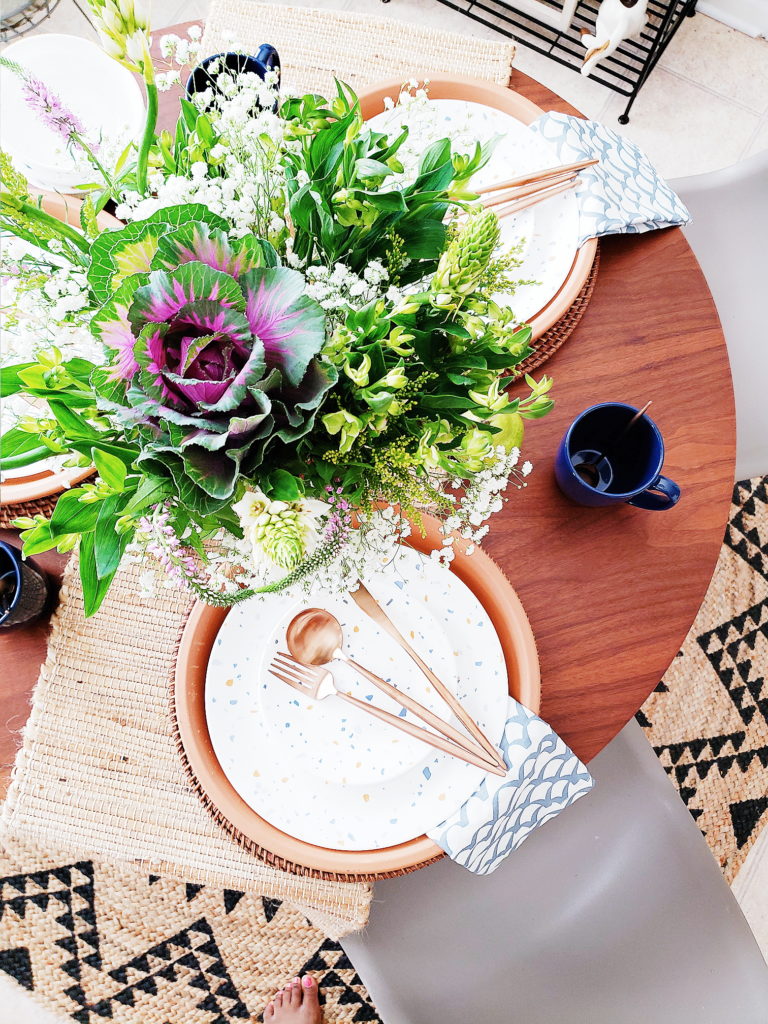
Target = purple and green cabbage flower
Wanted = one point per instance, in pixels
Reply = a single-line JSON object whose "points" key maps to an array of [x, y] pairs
{"points": [[216, 346]]}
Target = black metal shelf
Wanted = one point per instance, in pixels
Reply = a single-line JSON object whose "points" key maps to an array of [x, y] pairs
{"points": [[625, 71]]}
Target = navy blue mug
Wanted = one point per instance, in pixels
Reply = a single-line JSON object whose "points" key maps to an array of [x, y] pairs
{"points": [[598, 465], [204, 77]]}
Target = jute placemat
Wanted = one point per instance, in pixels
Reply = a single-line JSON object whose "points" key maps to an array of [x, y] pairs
{"points": [[94, 941], [708, 718], [98, 773], [316, 46]]}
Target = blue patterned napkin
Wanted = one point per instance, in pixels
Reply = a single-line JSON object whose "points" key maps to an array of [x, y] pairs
{"points": [[544, 778], [623, 193]]}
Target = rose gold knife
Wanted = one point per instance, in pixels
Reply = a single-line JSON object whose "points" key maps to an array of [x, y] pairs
{"points": [[365, 600]]}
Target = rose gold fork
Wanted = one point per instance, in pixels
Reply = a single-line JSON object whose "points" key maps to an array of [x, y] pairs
{"points": [[320, 683]]}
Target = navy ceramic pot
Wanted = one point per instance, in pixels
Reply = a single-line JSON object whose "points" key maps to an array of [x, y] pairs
{"points": [[201, 78], [23, 590]]}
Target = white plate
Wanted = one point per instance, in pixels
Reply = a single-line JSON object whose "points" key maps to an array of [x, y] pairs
{"points": [[326, 772], [550, 230], [103, 94]]}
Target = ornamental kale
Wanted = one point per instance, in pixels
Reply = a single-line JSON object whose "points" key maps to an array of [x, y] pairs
{"points": [[215, 347]]}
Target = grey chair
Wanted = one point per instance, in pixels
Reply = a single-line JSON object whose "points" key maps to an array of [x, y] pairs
{"points": [[728, 234], [613, 913]]}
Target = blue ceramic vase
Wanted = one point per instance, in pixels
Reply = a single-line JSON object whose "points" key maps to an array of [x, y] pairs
{"points": [[204, 77]]}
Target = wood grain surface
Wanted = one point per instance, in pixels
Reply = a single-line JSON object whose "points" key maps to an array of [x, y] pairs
{"points": [[610, 593]]}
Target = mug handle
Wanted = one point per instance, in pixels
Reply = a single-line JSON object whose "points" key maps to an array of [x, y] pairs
{"points": [[669, 495]]}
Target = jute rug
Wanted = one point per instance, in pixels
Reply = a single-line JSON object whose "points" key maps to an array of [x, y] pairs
{"points": [[708, 717], [94, 942]]}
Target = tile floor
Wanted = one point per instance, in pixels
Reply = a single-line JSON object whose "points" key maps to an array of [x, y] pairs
{"points": [[705, 106]]}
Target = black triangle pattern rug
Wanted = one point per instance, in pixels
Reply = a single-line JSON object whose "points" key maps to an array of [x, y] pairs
{"points": [[95, 944], [708, 718]]}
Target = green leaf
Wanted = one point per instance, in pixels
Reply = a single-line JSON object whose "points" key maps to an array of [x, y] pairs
{"points": [[435, 156], [16, 442], [189, 113], [280, 485], [39, 539], [328, 145], [111, 469], [33, 376], [80, 369], [367, 168], [10, 381], [94, 588], [386, 202], [109, 545], [447, 402], [70, 421], [107, 386], [72, 516], [175, 216], [86, 445], [25, 458], [150, 491], [424, 240]]}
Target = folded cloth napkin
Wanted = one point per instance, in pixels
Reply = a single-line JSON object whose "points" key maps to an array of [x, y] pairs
{"points": [[544, 777], [623, 193]]}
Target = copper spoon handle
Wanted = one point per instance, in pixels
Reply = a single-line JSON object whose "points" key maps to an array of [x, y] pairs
{"points": [[365, 600], [440, 742]]}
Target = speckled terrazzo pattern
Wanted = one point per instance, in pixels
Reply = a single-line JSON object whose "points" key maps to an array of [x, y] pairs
{"points": [[363, 785]]}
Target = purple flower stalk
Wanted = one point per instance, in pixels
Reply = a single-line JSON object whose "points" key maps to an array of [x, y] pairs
{"points": [[51, 110], [167, 548]]}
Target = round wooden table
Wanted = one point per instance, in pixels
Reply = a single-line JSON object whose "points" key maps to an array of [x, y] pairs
{"points": [[610, 593]]}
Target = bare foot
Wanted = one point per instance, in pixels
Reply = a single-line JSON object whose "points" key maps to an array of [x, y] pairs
{"points": [[295, 1004]]}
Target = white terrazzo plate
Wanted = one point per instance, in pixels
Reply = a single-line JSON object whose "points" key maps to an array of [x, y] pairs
{"points": [[325, 772]]}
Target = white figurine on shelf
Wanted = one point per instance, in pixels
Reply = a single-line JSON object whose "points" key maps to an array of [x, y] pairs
{"points": [[617, 20]]}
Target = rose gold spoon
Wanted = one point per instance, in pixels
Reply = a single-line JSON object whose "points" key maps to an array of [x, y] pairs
{"points": [[315, 637]]}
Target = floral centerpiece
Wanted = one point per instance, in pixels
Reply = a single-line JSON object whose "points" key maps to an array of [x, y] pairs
{"points": [[295, 350]]}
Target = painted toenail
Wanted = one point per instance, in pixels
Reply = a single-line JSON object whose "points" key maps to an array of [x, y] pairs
{"points": [[307, 981], [296, 981]]}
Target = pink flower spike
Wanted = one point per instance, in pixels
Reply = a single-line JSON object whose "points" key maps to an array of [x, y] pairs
{"points": [[51, 110]]}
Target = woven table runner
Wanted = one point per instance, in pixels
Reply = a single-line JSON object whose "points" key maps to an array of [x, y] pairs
{"points": [[316, 46], [99, 774]]}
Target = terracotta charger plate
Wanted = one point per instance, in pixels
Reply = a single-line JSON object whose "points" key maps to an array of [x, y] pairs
{"points": [[484, 578], [42, 483], [486, 93]]}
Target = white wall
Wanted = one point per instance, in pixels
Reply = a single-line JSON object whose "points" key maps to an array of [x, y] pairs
{"points": [[750, 16]]}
